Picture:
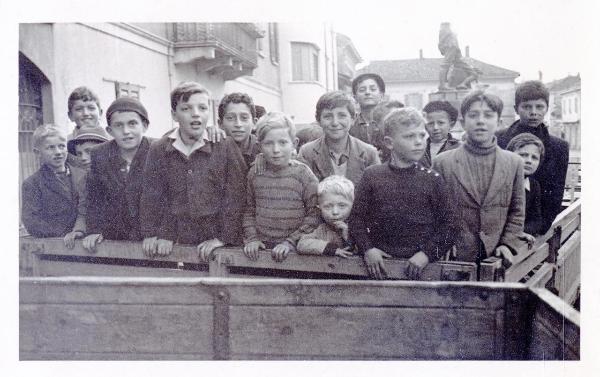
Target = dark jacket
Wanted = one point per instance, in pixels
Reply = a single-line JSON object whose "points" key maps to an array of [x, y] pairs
{"points": [[551, 173], [209, 186], [315, 154], [50, 208], [113, 193], [451, 143], [534, 221]]}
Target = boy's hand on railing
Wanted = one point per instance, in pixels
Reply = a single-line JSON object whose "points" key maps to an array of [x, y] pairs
{"points": [[416, 264], [252, 248], [527, 238], [280, 251], [215, 134], [90, 242], [374, 262], [345, 252], [149, 246], [504, 252], [163, 247], [206, 248], [71, 237]]}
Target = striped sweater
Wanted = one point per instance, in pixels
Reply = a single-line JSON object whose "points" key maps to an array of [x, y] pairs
{"points": [[281, 205]]}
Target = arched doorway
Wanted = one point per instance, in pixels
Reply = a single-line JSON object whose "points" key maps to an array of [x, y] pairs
{"points": [[31, 82]]}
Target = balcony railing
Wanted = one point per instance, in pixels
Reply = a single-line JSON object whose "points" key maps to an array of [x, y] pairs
{"points": [[226, 48]]}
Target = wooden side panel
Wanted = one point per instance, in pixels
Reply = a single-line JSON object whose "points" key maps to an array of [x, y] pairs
{"points": [[104, 318], [516, 272], [330, 332], [555, 329], [568, 268]]}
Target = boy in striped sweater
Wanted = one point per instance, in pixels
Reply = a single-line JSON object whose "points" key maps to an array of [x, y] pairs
{"points": [[281, 203]]}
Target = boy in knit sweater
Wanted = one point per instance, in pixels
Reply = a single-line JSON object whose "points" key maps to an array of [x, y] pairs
{"points": [[486, 183], [336, 194], [281, 202], [402, 210]]}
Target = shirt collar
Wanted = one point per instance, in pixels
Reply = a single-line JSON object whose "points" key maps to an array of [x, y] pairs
{"points": [[182, 147], [527, 184]]}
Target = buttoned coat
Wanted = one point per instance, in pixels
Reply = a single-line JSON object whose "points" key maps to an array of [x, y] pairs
{"points": [[493, 220], [114, 194], [315, 154], [49, 208]]}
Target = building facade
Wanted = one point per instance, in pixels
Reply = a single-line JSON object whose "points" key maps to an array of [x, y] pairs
{"points": [[284, 67], [564, 115], [413, 81]]}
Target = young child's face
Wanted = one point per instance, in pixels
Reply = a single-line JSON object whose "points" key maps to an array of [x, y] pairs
{"points": [[368, 93], [192, 115], [82, 151], [277, 147], [481, 122], [127, 129], [532, 112], [53, 152], [438, 125], [408, 142], [85, 113], [334, 207], [336, 122], [531, 158], [237, 121]]}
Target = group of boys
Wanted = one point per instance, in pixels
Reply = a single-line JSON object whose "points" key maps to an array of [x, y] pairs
{"points": [[432, 197]]}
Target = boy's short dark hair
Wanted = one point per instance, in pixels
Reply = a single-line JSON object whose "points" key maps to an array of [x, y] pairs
{"points": [[184, 91], [383, 108], [401, 118], [444, 106], [524, 139], [260, 111], [331, 100], [493, 101], [530, 91], [366, 76], [82, 93], [236, 98]]}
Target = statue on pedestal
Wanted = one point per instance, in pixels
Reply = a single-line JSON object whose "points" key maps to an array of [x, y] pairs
{"points": [[448, 46]]}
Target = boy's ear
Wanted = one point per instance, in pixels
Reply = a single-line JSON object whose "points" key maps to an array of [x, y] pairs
{"points": [[296, 142], [173, 116], [388, 142], [36, 152], [109, 130], [71, 116]]}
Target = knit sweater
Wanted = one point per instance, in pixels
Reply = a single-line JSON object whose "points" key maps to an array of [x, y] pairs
{"points": [[402, 211], [480, 164], [281, 205]]}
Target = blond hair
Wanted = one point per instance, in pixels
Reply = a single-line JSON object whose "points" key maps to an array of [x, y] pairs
{"points": [[338, 185], [45, 131], [274, 121]]}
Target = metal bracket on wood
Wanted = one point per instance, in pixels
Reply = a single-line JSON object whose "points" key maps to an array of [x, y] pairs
{"points": [[221, 324], [491, 269]]}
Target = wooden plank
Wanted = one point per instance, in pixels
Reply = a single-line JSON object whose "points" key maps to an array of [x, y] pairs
{"points": [[555, 333], [484, 296], [568, 267], [570, 228], [126, 329], [541, 276], [114, 290], [563, 218], [227, 258], [283, 332], [61, 268], [516, 272]]}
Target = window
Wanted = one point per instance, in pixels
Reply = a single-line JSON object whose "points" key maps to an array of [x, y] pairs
{"points": [[274, 43], [123, 89], [305, 62], [576, 106]]}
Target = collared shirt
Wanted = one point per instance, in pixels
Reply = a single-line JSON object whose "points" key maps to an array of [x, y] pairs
{"points": [[339, 161], [182, 147], [527, 184]]}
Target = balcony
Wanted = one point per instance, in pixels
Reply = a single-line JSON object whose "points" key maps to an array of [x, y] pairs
{"points": [[226, 49]]}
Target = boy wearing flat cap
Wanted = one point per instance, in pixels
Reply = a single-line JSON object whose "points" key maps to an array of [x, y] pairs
{"points": [[115, 178], [83, 141]]}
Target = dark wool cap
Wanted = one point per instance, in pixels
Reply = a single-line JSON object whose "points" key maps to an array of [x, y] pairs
{"points": [[127, 104]]}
